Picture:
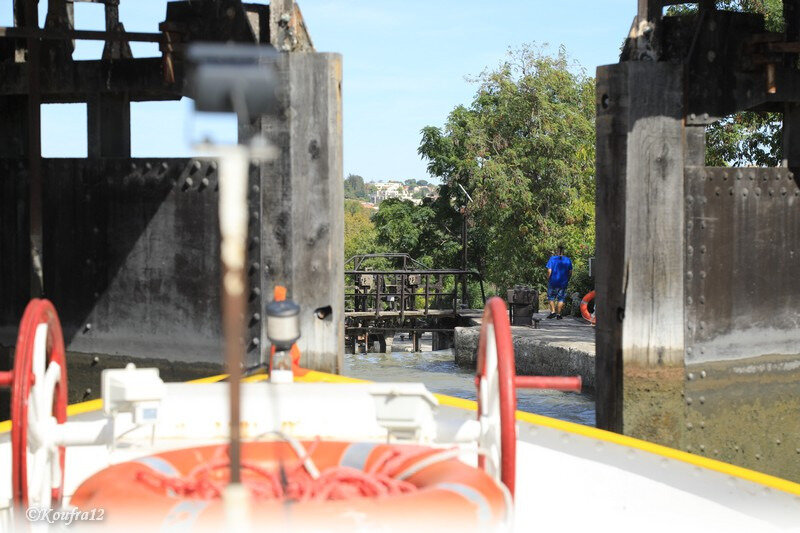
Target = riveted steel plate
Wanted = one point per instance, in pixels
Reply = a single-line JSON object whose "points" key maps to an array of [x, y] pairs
{"points": [[742, 257], [131, 255]]}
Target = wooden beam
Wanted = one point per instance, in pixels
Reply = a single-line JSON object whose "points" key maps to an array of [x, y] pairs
{"points": [[612, 131], [115, 49], [108, 119], [640, 158], [649, 9], [302, 227], [81, 35], [77, 81], [287, 29]]}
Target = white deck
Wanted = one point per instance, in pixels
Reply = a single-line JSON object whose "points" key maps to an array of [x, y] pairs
{"points": [[564, 479]]}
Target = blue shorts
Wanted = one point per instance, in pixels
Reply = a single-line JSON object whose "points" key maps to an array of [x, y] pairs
{"points": [[556, 293]]}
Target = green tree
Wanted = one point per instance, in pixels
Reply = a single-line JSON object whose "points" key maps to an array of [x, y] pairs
{"points": [[422, 231], [524, 150], [360, 235], [355, 188]]}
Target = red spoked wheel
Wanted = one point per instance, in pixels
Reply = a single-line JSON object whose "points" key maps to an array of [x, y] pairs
{"points": [[497, 393], [38, 403], [497, 396]]}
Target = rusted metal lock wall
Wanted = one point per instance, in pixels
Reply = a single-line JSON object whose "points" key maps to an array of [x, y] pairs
{"points": [[742, 382]]}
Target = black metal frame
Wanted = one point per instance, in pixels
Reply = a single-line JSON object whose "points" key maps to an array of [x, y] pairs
{"points": [[399, 292]]}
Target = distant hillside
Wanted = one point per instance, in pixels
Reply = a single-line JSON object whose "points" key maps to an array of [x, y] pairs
{"points": [[375, 192]]}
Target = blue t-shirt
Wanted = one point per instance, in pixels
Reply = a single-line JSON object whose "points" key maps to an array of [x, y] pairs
{"points": [[561, 267]]}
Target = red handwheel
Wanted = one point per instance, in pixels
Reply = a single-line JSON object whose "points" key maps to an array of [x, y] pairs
{"points": [[497, 393], [497, 396], [38, 403]]}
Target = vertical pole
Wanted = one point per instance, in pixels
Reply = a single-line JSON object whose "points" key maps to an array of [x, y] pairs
{"points": [[463, 238], [427, 293], [378, 281], [34, 150], [464, 296], [233, 216], [402, 297], [455, 295], [108, 115]]}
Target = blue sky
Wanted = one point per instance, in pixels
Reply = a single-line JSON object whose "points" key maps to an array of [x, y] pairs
{"points": [[404, 68]]}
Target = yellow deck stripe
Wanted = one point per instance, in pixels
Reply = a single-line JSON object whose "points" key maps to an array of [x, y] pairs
{"points": [[210, 379], [314, 376], [630, 442], [663, 451]]}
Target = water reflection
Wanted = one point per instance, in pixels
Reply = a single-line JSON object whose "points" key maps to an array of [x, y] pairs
{"points": [[438, 371]]}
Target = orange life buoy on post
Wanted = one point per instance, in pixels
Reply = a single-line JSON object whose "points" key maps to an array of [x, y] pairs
{"points": [[585, 308]]}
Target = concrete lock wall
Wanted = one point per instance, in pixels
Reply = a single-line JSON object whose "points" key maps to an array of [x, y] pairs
{"points": [[566, 350]]}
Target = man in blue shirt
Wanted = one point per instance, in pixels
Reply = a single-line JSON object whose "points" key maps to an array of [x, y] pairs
{"points": [[559, 270]]}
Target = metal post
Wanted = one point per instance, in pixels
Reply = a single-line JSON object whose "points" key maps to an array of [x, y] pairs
{"points": [[233, 225], [427, 280], [455, 295], [402, 296], [464, 299], [378, 280]]}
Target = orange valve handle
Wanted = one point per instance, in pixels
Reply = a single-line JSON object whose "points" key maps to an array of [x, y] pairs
{"points": [[570, 384]]}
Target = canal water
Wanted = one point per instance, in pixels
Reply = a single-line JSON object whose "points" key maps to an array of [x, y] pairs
{"points": [[438, 371]]}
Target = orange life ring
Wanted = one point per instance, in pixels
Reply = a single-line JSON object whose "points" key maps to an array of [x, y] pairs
{"points": [[585, 308], [448, 491]]}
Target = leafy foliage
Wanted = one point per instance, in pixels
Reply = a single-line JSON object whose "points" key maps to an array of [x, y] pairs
{"points": [[360, 235], [745, 139], [355, 188], [424, 232], [524, 151]]}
